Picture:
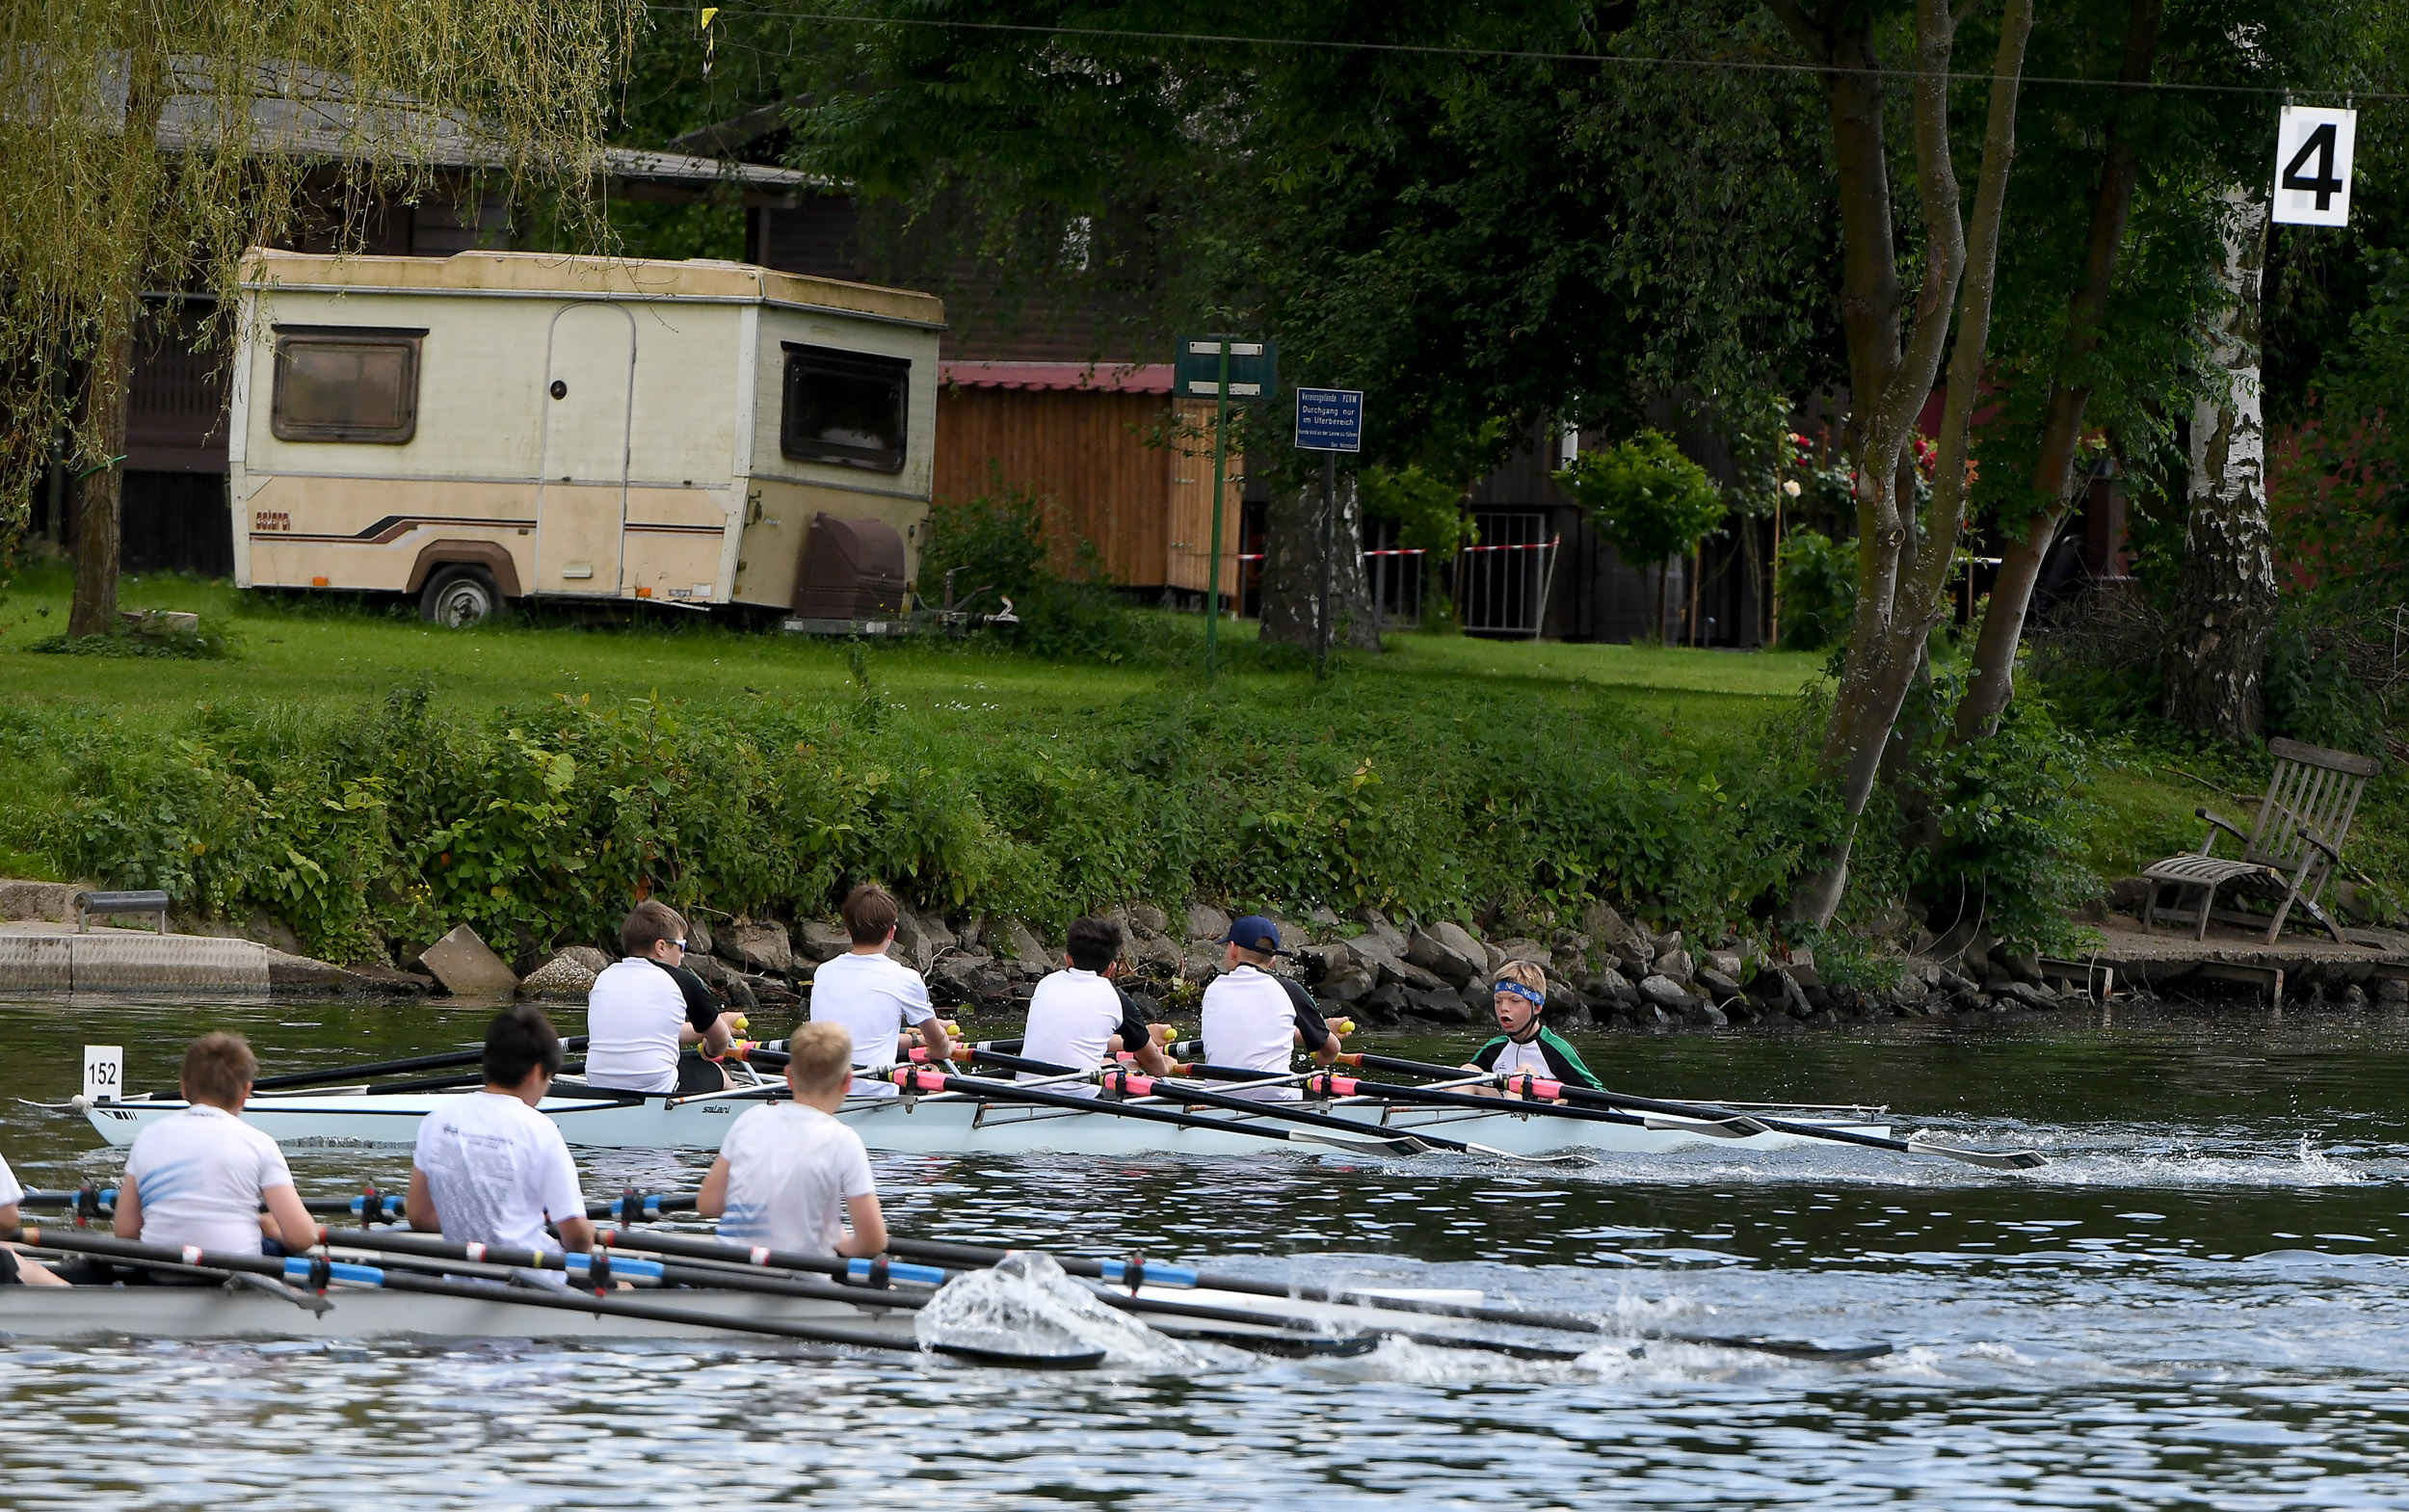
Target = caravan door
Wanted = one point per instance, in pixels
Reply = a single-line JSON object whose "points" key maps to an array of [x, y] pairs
{"points": [[589, 403]]}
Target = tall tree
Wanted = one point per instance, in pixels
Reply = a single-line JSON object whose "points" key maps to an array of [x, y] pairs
{"points": [[2047, 489], [1481, 215], [2225, 599], [146, 143], [2108, 313], [1904, 556]]}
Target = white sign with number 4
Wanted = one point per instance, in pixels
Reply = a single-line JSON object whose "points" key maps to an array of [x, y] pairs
{"points": [[2312, 165], [104, 1073]]}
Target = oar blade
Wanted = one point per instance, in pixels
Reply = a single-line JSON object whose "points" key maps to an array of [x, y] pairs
{"points": [[1787, 1348], [1734, 1127], [1359, 1144], [1567, 1157], [1078, 1360], [1987, 1159]]}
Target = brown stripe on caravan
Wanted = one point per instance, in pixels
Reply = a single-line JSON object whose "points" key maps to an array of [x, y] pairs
{"points": [[392, 527]]}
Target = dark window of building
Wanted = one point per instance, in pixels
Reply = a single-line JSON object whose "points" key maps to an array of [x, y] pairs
{"points": [[844, 408], [345, 384]]}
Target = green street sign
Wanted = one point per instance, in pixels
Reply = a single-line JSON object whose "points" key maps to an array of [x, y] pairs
{"points": [[1254, 368]]}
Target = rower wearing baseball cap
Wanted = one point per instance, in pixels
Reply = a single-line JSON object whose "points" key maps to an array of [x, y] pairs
{"points": [[1525, 1048], [1253, 1020]]}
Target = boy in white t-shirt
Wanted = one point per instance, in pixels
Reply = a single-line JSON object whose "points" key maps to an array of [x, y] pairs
{"points": [[489, 1169], [200, 1177], [789, 1175], [14, 1268], [872, 996], [647, 1015], [1079, 1016], [1253, 1020]]}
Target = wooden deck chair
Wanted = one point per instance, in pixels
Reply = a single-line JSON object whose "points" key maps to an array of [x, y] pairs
{"points": [[2289, 853]]}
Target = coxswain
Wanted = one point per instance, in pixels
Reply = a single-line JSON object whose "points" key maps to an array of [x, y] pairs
{"points": [[489, 1169], [17, 1269], [872, 996], [1254, 1019], [1526, 1047], [789, 1176], [200, 1177], [646, 1010], [1079, 1016]]}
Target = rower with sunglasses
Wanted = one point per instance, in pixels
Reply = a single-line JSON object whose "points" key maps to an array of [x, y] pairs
{"points": [[646, 1013], [1520, 996]]}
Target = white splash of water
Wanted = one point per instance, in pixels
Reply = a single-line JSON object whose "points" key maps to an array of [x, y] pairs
{"points": [[1026, 1305]]}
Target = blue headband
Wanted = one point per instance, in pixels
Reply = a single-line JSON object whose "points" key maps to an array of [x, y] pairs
{"points": [[1529, 994]]}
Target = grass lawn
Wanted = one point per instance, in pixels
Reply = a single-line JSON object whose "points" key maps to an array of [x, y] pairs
{"points": [[308, 652]]}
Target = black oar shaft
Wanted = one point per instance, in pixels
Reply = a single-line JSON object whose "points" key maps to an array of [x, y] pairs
{"points": [[1487, 1105], [1165, 1087], [383, 1068], [1009, 1092], [1709, 1114]]}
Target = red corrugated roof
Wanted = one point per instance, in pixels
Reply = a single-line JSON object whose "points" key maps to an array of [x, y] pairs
{"points": [[1112, 377]]}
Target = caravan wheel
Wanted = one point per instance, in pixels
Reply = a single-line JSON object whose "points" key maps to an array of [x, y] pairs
{"points": [[459, 595]]}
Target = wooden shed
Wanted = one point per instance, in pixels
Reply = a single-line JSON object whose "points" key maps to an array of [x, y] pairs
{"points": [[1120, 463]]}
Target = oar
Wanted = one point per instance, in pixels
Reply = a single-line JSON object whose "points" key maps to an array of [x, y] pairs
{"points": [[1338, 1086], [923, 1079], [726, 1259], [383, 1068], [317, 1272], [431, 1250], [1137, 1273], [729, 1261], [1987, 1159], [1141, 1086], [717, 1265]]}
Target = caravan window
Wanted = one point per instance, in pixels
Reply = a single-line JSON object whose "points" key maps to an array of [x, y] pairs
{"points": [[345, 384], [845, 407]]}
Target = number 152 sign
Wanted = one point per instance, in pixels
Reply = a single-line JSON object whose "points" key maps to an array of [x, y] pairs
{"points": [[2313, 166]]}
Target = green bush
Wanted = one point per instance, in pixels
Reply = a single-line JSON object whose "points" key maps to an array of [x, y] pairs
{"points": [[2311, 693], [1818, 583], [998, 541], [393, 821], [1648, 500]]}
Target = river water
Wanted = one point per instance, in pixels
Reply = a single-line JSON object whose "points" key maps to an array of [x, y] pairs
{"points": [[2197, 1304]]}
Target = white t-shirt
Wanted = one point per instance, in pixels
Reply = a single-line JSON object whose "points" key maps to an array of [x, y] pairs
{"points": [[497, 1170], [790, 1169], [873, 997], [199, 1175], [633, 1015], [1250, 1022], [1073, 1017], [9, 1191]]}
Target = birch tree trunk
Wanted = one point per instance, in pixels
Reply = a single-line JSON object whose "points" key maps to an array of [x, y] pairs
{"points": [[2225, 599], [1292, 569]]}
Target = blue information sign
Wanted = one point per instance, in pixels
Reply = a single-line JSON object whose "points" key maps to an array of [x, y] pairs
{"points": [[1329, 419]]}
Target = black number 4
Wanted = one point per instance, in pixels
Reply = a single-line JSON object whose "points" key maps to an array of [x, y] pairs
{"points": [[2325, 186]]}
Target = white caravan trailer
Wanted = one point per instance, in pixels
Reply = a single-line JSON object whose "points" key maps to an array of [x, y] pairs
{"points": [[495, 425]]}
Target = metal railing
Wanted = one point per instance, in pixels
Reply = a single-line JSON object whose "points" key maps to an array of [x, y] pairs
{"points": [[1503, 589]]}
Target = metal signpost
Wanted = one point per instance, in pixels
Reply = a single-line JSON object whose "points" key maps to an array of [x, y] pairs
{"points": [[1327, 421], [1222, 368]]}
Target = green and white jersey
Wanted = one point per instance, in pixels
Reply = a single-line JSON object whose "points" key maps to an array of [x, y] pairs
{"points": [[1544, 1054]]}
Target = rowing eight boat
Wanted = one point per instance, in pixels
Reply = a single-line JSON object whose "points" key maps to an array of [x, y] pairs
{"points": [[947, 1123]]}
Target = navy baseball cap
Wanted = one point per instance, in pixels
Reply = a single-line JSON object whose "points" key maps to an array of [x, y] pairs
{"points": [[1254, 932]]}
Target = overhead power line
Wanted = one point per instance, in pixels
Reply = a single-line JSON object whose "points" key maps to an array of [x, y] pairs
{"points": [[1532, 55]]}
